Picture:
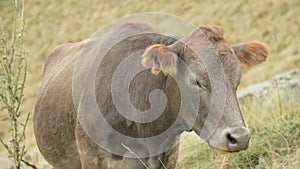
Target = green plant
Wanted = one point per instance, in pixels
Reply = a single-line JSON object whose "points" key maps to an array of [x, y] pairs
{"points": [[13, 66]]}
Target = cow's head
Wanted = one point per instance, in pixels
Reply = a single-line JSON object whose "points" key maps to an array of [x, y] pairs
{"points": [[230, 134]]}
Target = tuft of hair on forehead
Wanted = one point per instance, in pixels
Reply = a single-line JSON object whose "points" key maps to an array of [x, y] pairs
{"points": [[214, 33]]}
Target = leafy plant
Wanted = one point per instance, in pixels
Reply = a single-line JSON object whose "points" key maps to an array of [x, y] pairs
{"points": [[13, 72]]}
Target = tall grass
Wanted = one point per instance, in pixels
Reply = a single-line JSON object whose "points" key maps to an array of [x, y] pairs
{"points": [[13, 66], [275, 142]]}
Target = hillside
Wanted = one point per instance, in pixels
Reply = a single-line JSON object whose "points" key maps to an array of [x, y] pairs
{"points": [[52, 22]]}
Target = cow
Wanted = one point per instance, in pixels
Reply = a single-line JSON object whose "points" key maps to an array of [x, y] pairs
{"points": [[62, 138]]}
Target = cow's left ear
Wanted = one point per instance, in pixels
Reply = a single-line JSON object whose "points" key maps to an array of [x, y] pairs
{"points": [[160, 58], [251, 53]]}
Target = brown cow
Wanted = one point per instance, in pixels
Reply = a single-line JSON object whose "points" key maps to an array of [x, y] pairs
{"points": [[62, 138]]}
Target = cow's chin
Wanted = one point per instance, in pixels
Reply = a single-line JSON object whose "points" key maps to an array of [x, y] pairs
{"points": [[220, 149]]}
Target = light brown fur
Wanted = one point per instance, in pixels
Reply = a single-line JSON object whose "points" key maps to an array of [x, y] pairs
{"points": [[160, 57], [61, 138], [252, 53]]}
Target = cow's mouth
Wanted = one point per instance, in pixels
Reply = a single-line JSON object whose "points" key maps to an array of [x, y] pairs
{"points": [[230, 140], [225, 150]]}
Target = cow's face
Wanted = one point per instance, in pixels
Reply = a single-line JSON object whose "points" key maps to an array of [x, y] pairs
{"points": [[200, 52]]}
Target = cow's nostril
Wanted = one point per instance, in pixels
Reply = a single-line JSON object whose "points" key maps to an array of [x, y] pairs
{"points": [[231, 139], [236, 138]]}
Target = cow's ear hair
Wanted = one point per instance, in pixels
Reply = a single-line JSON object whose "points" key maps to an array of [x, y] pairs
{"points": [[251, 53], [160, 58]]}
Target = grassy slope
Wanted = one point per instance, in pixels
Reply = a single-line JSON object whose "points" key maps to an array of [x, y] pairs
{"points": [[276, 23]]}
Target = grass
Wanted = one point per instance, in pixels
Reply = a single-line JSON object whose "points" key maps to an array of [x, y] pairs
{"points": [[50, 23], [275, 141]]}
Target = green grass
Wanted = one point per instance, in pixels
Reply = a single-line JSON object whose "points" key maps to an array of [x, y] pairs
{"points": [[276, 23]]}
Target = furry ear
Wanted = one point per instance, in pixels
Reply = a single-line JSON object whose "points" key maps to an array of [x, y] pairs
{"points": [[160, 58], [251, 53]]}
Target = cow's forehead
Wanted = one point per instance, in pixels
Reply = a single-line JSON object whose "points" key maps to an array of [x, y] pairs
{"points": [[212, 46], [215, 35]]}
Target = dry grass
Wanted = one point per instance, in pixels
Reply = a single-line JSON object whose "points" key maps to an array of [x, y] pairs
{"points": [[275, 23], [274, 143]]}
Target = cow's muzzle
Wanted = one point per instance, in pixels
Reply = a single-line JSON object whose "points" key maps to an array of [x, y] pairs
{"points": [[236, 138]]}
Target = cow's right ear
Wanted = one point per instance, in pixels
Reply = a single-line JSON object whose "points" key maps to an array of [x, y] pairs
{"points": [[160, 58]]}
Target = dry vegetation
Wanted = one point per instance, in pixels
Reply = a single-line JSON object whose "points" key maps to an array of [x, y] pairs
{"points": [[277, 23]]}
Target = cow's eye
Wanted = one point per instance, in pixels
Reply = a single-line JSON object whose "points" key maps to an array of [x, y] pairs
{"points": [[196, 83]]}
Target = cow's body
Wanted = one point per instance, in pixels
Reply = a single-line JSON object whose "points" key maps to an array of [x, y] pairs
{"points": [[59, 134]]}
